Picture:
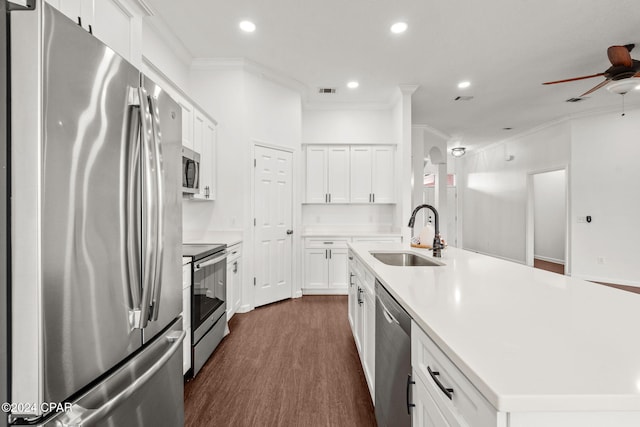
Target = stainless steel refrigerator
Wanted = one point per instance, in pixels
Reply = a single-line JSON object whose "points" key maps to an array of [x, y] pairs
{"points": [[95, 248]]}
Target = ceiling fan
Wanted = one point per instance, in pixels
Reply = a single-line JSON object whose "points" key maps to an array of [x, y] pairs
{"points": [[622, 67]]}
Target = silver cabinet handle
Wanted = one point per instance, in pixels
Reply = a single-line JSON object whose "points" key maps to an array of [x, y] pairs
{"points": [[82, 417]]}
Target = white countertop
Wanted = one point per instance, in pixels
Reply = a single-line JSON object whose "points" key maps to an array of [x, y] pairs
{"points": [[228, 237], [329, 233], [528, 339]]}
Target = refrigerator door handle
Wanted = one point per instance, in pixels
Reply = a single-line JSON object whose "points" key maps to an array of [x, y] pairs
{"points": [[149, 218], [159, 208], [83, 417], [131, 207]]}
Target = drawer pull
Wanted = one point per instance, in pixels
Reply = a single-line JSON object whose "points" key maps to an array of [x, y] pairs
{"points": [[409, 404], [447, 391], [328, 243]]}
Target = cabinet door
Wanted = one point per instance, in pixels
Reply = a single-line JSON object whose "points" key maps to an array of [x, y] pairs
{"points": [[370, 340], [237, 295], [118, 27], [231, 289], [338, 174], [361, 175], [209, 159], [315, 268], [338, 269], [187, 124], [352, 299], [425, 413], [382, 176], [73, 9], [316, 175], [359, 318]]}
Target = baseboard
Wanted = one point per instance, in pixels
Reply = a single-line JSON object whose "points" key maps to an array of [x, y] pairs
{"points": [[325, 291], [547, 259], [244, 308]]}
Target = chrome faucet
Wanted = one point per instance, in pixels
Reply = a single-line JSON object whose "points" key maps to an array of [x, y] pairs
{"points": [[437, 242]]}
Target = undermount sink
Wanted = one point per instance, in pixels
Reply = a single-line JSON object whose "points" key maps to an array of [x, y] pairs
{"points": [[405, 259]]}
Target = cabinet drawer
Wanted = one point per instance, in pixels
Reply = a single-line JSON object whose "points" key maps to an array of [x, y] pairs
{"points": [[234, 252], [466, 407], [327, 243]]}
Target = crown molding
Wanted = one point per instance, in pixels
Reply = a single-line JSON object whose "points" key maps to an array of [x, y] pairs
{"points": [[145, 7], [164, 32], [254, 68], [361, 106], [432, 130]]}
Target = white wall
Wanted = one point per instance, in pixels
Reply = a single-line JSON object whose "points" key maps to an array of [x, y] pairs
{"points": [[348, 126], [248, 109], [494, 191], [550, 220], [605, 181]]}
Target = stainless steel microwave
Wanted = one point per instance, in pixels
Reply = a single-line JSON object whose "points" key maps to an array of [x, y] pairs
{"points": [[190, 171]]}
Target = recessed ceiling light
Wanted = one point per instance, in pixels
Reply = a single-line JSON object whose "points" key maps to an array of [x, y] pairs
{"points": [[464, 85], [399, 27], [247, 26], [353, 85]]}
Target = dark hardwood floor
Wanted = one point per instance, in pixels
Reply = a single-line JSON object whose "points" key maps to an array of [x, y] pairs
{"points": [[548, 266], [292, 363]]}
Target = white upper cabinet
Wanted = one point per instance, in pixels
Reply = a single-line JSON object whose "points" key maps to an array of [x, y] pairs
{"points": [[361, 174], [372, 174], [204, 143], [327, 174], [117, 23], [338, 174], [187, 124], [350, 174]]}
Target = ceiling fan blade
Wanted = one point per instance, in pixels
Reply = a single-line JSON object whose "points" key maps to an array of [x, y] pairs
{"points": [[619, 56], [595, 88], [574, 79]]}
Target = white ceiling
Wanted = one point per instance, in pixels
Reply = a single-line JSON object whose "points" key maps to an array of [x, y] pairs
{"points": [[506, 48]]}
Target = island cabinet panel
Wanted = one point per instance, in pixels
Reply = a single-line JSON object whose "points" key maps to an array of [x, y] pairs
{"points": [[425, 413], [351, 291], [460, 403]]}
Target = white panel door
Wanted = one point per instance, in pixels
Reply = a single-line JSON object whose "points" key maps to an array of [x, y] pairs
{"points": [[273, 201], [316, 175], [338, 268], [338, 174], [315, 268], [382, 177], [361, 175]]}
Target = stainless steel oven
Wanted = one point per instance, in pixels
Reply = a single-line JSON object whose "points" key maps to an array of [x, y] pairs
{"points": [[208, 300], [190, 171]]}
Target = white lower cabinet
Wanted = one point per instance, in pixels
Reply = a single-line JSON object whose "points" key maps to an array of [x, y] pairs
{"points": [[362, 316], [457, 402], [234, 279], [425, 413], [325, 266]]}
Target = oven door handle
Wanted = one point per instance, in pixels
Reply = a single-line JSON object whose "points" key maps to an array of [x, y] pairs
{"points": [[211, 262]]}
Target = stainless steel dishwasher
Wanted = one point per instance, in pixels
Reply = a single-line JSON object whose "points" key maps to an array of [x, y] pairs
{"points": [[393, 361]]}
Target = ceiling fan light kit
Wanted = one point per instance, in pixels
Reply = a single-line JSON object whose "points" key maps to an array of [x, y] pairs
{"points": [[623, 68]]}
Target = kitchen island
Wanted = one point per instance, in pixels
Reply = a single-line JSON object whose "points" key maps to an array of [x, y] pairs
{"points": [[541, 348]]}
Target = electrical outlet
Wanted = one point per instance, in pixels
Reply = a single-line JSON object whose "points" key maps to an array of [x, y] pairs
{"points": [[601, 260]]}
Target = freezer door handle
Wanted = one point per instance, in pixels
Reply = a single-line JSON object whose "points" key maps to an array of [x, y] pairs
{"points": [[159, 208], [83, 417]]}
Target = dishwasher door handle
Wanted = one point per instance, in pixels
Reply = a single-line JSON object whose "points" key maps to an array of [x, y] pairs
{"points": [[389, 316]]}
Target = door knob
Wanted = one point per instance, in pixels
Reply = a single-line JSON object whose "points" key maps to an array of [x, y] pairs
{"points": [[289, 231]]}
